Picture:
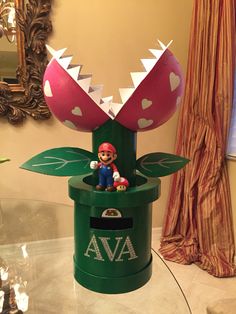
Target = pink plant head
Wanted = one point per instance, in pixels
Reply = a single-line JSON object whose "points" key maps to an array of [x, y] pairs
{"points": [[156, 98], [69, 102], [150, 103]]}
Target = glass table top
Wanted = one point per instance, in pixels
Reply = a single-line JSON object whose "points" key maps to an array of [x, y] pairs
{"points": [[37, 273]]}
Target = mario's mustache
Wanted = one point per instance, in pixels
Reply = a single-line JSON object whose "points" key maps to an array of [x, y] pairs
{"points": [[105, 160]]}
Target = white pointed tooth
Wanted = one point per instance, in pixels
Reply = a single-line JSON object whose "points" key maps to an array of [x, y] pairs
{"points": [[115, 108], [107, 99], [161, 44], [50, 50], [96, 87], [148, 63], [65, 61], [157, 53], [105, 104], [164, 47], [74, 72], [137, 77], [125, 93], [111, 113], [96, 93], [55, 53], [84, 82], [106, 107], [169, 43], [111, 109]]}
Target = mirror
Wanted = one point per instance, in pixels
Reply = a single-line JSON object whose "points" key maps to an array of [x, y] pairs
{"points": [[24, 98], [8, 61]]}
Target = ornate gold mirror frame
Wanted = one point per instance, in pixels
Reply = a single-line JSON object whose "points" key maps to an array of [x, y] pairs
{"points": [[18, 101]]}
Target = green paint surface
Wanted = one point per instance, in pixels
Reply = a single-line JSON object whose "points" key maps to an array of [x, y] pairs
{"points": [[63, 161], [160, 164], [113, 259]]}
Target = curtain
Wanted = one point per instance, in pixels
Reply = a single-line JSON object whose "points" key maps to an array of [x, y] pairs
{"points": [[198, 224]]}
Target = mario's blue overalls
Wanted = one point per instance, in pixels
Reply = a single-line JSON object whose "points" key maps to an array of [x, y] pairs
{"points": [[106, 175]]}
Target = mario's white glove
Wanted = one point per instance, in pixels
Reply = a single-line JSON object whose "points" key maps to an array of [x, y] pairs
{"points": [[116, 176], [93, 164]]}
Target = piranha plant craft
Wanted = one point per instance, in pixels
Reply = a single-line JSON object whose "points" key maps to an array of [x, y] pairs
{"points": [[112, 230]]}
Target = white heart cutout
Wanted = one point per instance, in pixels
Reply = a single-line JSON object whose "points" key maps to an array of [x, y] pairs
{"points": [[174, 81], [146, 103], [47, 89], [144, 123], [70, 124], [77, 111]]}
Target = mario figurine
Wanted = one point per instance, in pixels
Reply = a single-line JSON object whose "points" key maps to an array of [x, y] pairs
{"points": [[107, 170]]}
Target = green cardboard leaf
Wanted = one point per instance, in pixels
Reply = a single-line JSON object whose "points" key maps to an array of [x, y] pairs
{"points": [[160, 164], [3, 159], [63, 161]]}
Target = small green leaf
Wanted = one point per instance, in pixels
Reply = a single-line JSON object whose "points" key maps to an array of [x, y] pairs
{"points": [[3, 159], [160, 164], [63, 161]]}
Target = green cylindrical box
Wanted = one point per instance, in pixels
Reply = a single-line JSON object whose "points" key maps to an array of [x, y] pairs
{"points": [[113, 235]]}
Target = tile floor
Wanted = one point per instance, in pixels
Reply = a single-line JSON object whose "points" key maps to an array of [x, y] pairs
{"points": [[200, 288]]}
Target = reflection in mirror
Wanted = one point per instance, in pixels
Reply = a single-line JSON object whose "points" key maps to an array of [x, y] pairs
{"points": [[23, 62], [8, 50], [7, 19], [8, 61]]}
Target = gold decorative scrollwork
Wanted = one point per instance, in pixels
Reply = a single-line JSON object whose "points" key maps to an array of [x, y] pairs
{"points": [[18, 101]]}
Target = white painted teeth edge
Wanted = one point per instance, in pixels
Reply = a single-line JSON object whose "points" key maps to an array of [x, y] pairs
{"points": [[95, 92]]}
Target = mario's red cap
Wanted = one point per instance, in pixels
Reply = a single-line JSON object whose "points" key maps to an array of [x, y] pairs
{"points": [[106, 147]]}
